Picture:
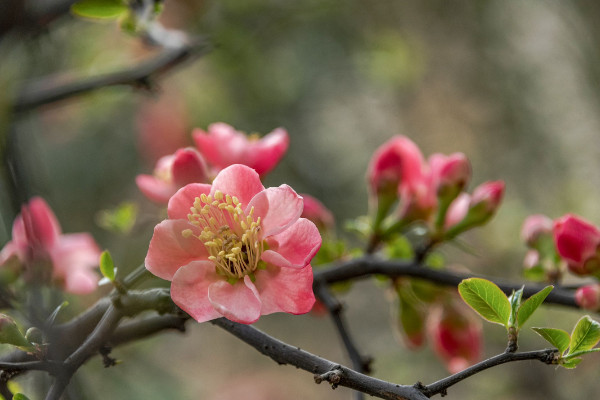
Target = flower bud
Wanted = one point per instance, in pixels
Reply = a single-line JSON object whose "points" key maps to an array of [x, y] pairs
{"points": [[588, 297], [486, 199], [10, 333], [451, 174], [534, 227], [316, 212], [577, 242]]}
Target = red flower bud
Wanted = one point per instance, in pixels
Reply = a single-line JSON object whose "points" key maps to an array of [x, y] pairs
{"points": [[577, 241], [588, 297]]}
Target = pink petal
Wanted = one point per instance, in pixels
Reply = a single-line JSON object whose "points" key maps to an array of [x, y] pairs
{"points": [[181, 202], [9, 250], [239, 302], [575, 238], [278, 208], [268, 150], [285, 290], [155, 189], [189, 290], [240, 181], [222, 146], [169, 250], [44, 225], [189, 167], [81, 282], [294, 247], [74, 253]]}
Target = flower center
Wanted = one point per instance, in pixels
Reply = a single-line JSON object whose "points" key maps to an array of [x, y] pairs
{"points": [[230, 235]]}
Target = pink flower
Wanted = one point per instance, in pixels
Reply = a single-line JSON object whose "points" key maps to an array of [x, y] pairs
{"points": [[316, 212], [397, 160], [534, 227], [577, 242], [171, 173], [488, 196], [37, 238], [223, 146], [450, 173], [236, 249], [455, 335], [588, 297]]}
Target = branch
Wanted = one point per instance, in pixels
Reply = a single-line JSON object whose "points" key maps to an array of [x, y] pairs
{"points": [[367, 266], [546, 356], [323, 369]]}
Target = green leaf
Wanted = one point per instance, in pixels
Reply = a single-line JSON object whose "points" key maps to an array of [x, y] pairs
{"points": [[99, 8], [531, 304], [515, 304], [11, 334], [107, 267], [580, 353], [122, 218], [570, 364], [20, 396], [486, 299], [585, 335], [557, 337]]}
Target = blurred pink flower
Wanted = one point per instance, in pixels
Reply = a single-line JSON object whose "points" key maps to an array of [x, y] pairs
{"points": [[397, 161], [316, 212], [455, 335], [236, 249], [458, 210], [451, 173], [37, 237], [487, 196], [171, 173], [588, 297], [223, 146], [534, 227], [577, 243]]}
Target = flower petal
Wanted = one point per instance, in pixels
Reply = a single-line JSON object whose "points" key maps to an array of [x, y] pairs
{"points": [[44, 225], [189, 167], [269, 150], [155, 189], [169, 250], [239, 302], [189, 290], [74, 256], [81, 282], [295, 246], [278, 208], [285, 290], [240, 181], [181, 202]]}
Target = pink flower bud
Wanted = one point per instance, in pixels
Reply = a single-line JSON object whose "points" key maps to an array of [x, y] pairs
{"points": [[451, 173], [397, 160], [458, 210], [171, 173], [455, 335], [577, 241], [488, 195], [588, 297], [316, 212], [534, 227], [531, 260]]}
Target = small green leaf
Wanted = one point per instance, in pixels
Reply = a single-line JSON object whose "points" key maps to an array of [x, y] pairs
{"points": [[486, 299], [580, 353], [531, 304], [20, 396], [99, 8], [557, 337], [570, 364], [585, 335], [11, 334], [515, 304], [107, 267], [122, 218]]}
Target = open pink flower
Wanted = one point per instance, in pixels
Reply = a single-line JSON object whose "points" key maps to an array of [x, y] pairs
{"points": [[223, 146], [171, 173], [236, 249], [577, 242], [37, 237]]}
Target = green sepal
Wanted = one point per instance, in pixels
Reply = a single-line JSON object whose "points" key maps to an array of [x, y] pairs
{"points": [[515, 303], [487, 299]]}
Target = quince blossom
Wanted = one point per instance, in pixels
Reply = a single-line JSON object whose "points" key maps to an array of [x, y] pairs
{"points": [[171, 173], [236, 249], [223, 146], [37, 238], [577, 242]]}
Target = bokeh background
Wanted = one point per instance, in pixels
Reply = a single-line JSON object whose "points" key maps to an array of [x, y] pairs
{"points": [[514, 85]]}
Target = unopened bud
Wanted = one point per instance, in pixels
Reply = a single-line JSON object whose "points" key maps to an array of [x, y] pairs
{"points": [[534, 227], [588, 297], [10, 333], [577, 242]]}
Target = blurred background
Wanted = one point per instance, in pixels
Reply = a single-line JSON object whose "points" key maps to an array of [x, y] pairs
{"points": [[513, 85]]}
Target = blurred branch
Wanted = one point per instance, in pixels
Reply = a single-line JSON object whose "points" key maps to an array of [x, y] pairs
{"points": [[323, 369], [367, 266], [141, 75]]}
